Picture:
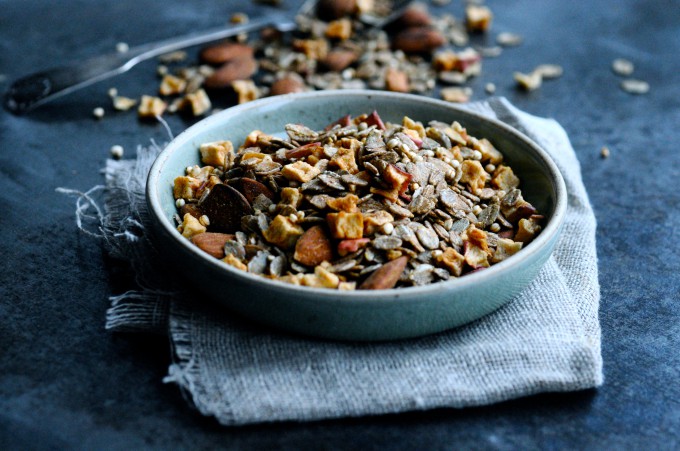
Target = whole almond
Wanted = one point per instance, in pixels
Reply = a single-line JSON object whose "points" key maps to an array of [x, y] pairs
{"points": [[227, 51], [235, 69], [287, 85], [415, 16], [338, 60], [418, 40], [269, 34], [386, 276], [313, 247], [335, 9], [396, 80], [212, 243]]}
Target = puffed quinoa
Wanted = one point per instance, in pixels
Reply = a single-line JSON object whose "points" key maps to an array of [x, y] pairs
{"points": [[604, 152], [117, 151], [362, 204]]}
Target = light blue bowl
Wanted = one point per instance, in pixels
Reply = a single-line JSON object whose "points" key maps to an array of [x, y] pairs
{"points": [[356, 315]]}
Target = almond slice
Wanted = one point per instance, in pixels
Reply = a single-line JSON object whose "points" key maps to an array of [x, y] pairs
{"points": [[212, 243], [386, 276], [225, 207]]}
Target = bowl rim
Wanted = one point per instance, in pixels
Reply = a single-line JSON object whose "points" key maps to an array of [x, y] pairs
{"points": [[377, 297]]}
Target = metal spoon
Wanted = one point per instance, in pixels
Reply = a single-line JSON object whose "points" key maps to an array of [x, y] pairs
{"points": [[29, 92]]}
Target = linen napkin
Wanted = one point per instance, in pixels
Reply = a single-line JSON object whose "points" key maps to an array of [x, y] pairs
{"points": [[546, 339]]}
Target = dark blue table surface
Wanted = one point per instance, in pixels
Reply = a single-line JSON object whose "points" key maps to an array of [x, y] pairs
{"points": [[67, 383]]}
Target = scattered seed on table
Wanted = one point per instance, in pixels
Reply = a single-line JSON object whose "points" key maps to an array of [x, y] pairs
{"points": [[623, 67], [604, 152], [635, 86], [508, 39], [117, 151], [549, 71]]}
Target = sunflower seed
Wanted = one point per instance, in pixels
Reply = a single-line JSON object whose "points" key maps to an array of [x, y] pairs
{"points": [[453, 202], [301, 134], [623, 67], [422, 275], [460, 226], [399, 211], [235, 248], [427, 237], [369, 269], [441, 231], [384, 242], [343, 265], [442, 273], [258, 264], [351, 179], [331, 180], [277, 266], [488, 215]]}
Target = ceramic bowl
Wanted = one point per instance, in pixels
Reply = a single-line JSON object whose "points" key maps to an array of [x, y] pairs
{"points": [[356, 315]]}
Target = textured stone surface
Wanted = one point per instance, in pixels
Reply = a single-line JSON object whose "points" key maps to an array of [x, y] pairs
{"points": [[67, 383]]}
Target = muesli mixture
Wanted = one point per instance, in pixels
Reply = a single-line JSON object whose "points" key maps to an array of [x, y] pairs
{"points": [[359, 205], [332, 47]]}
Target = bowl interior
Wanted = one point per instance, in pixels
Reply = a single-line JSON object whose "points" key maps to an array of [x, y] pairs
{"points": [[318, 109]]}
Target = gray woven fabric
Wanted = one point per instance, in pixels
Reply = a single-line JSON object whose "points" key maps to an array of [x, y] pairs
{"points": [[547, 339]]}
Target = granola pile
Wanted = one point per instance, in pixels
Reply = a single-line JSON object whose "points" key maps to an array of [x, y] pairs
{"points": [[359, 205], [331, 48]]}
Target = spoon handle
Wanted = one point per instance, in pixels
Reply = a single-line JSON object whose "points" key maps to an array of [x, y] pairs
{"points": [[37, 89]]}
